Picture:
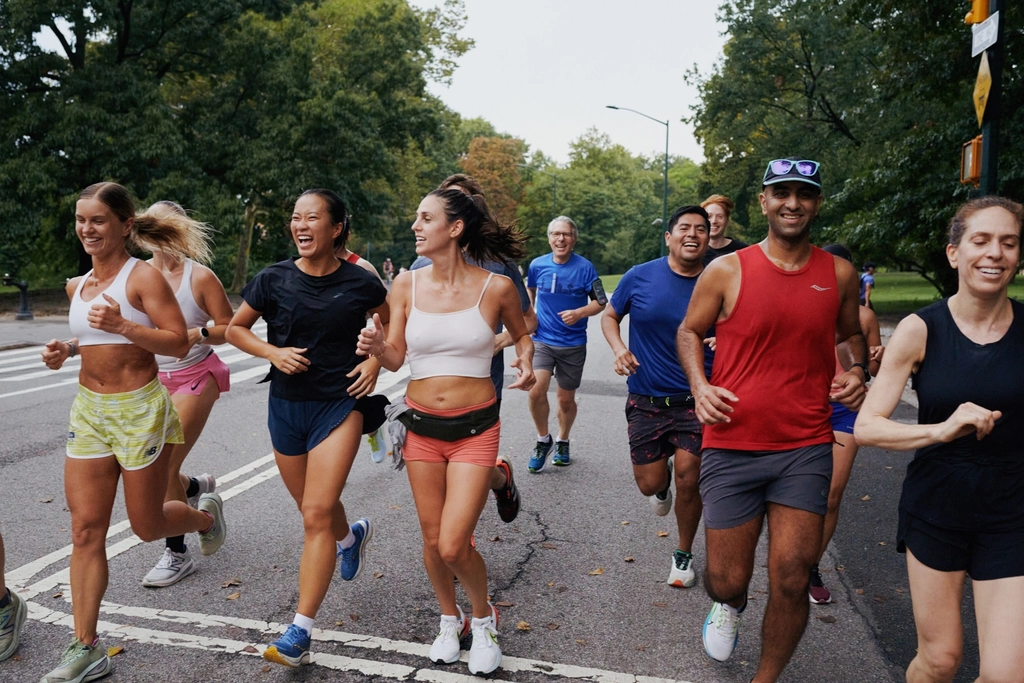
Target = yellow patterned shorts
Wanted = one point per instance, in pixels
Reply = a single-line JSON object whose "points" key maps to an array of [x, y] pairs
{"points": [[133, 426]]}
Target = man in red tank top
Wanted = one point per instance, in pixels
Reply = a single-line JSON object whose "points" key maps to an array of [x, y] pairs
{"points": [[780, 308]]}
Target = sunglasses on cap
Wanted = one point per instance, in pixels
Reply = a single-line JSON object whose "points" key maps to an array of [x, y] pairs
{"points": [[804, 167]]}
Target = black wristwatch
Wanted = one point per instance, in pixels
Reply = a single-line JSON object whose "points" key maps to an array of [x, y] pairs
{"points": [[864, 367], [205, 334]]}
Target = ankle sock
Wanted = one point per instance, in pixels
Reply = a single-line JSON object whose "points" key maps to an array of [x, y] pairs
{"points": [[348, 541], [193, 487], [176, 543], [6, 600], [303, 622], [545, 439], [562, 441]]}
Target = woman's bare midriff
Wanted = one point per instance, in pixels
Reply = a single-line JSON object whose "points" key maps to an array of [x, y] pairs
{"points": [[116, 368], [450, 393]]}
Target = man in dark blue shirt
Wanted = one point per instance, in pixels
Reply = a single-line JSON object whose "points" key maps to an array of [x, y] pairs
{"points": [[663, 426]]}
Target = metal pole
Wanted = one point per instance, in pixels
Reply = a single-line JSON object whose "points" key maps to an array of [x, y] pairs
{"points": [[554, 199], [993, 110], [664, 194]]}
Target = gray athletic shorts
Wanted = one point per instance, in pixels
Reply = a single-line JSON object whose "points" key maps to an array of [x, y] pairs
{"points": [[566, 362], [735, 485]]}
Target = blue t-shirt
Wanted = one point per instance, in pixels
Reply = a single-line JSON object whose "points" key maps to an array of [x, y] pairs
{"points": [[656, 298], [509, 270], [560, 287], [865, 280]]}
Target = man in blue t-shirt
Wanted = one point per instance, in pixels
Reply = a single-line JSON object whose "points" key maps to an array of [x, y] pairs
{"points": [[663, 424], [561, 286], [867, 284]]}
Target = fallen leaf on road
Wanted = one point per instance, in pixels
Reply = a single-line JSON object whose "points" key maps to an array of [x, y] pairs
{"points": [[630, 559], [549, 546], [114, 651], [552, 626], [58, 594], [860, 591], [662, 534], [234, 596], [881, 543], [899, 590], [504, 603], [354, 617], [840, 568], [339, 622], [378, 575], [523, 626], [551, 584], [235, 581], [865, 497], [879, 599], [641, 648], [659, 604], [888, 467], [265, 669], [580, 641], [394, 507], [827, 618], [625, 524], [46, 500], [597, 572], [250, 649]]}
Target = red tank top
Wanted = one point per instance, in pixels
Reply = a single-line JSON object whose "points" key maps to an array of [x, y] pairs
{"points": [[777, 351], [353, 257]]}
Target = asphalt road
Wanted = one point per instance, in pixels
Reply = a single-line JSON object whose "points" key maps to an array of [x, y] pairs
{"points": [[579, 576]]}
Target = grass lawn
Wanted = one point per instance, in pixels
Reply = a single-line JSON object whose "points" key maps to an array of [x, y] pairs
{"points": [[894, 292]]}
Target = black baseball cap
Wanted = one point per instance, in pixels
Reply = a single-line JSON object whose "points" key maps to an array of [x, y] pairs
{"points": [[792, 168]]}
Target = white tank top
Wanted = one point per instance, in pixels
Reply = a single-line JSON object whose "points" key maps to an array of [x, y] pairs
{"points": [[194, 317], [78, 316], [458, 344]]}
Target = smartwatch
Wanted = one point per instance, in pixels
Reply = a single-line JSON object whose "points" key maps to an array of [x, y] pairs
{"points": [[864, 367], [205, 335]]}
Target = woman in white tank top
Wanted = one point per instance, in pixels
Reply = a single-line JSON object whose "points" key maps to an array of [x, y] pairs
{"points": [[443, 316], [195, 382], [122, 421]]}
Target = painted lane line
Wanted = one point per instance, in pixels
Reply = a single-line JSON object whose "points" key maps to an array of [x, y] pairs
{"points": [[243, 375], [73, 380]]}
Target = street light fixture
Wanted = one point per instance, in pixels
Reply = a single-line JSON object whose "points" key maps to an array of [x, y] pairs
{"points": [[664, 189], [554, 191]]}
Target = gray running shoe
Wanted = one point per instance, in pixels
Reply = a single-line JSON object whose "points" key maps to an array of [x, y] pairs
{"points": [[172, 568], [80, 664], [12, 618], [210, 541], [207, 484]]}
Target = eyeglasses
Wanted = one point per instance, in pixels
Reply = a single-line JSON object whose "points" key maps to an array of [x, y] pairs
{"points": [[804, 167], [563, 235]]}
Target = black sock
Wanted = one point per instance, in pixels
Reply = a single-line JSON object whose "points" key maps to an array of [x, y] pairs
{"points": [[176, 543], [6, 600], [193, 487]]}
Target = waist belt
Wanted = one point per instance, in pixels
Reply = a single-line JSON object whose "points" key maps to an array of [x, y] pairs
{"points": [[450, 428], [677, 401]]}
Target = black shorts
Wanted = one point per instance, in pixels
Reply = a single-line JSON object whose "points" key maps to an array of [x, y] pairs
{"points": [[656, 430], [984, 555]]}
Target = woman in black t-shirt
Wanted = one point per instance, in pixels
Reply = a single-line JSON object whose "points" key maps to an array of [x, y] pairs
{"points": [[962, 508], [314, 307]]}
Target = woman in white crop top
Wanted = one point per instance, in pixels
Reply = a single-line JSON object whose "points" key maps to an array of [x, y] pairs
{"points": [[443, 317], [194, 382], [122, 421]]}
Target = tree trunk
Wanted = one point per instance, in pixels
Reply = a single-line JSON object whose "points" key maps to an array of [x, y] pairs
{"points": [[244, 245]]}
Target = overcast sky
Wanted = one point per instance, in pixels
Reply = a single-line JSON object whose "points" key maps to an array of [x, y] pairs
{"points": [[543, 70]]}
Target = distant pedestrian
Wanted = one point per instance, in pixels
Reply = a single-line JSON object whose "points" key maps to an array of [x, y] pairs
{"points": [[565, 290], [123, 424], [389, 270], [720, 208], [194, 381], [13, 612], [867, 284], [962, 508], [664, 432], [314, 307], [779, 307], [451, 450]]}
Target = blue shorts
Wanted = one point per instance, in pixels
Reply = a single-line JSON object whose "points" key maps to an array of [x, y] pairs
{"points": [[842, 418], [297, 427]]}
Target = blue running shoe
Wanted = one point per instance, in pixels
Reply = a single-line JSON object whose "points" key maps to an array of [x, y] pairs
{"points": [[540, 455], [352, 558], [561, 458], [291, 649]]}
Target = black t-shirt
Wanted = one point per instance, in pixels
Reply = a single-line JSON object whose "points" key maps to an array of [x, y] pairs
{"points": [[320, 314], [967, 483], [734, 245]]}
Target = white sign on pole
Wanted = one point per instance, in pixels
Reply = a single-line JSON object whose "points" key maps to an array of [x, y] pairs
{"points": [[984, 34]]}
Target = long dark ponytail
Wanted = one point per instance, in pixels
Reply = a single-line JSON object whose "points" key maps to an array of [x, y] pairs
{"points": [[483, 238]]}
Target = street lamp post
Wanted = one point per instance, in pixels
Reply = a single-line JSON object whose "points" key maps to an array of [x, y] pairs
{"points": [[664, 189], [554, 190]]}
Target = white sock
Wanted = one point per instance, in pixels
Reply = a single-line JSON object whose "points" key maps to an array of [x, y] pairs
{"points": [[563, 441], [546, 437], [348, 541], [303, 622]]}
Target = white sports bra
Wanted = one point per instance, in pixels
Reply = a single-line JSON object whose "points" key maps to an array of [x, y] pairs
{"points": [[78, 317], [458, 344], [194, 317]]}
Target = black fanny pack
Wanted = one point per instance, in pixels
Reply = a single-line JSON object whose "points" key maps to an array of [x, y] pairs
{"points": [[450, 428]]}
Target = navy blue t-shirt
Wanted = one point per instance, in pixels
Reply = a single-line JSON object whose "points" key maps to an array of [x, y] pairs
{"points": [[321, 314], [560, 287], [656, 298]]}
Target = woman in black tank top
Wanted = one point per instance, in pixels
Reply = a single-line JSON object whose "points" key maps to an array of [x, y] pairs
{"points": [[962, 508]]}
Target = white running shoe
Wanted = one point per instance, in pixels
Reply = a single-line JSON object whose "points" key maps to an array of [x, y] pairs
{"points": [[682, 574], [485, 655], [721, 631], [172, 568], [207, 484], [662, 506], [446, 647]]}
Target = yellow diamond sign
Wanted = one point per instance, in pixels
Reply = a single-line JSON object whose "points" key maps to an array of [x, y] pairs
{"points": [[982, 86]]}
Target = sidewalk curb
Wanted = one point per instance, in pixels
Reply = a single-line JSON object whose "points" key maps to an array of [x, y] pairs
{"points": [[17, 345]]}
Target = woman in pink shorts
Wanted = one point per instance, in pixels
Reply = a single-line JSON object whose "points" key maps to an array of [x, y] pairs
{"points": [[443, 317], [194, 382]]}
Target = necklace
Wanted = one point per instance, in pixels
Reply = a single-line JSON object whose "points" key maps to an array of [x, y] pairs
{"points": [[445, 290]]}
